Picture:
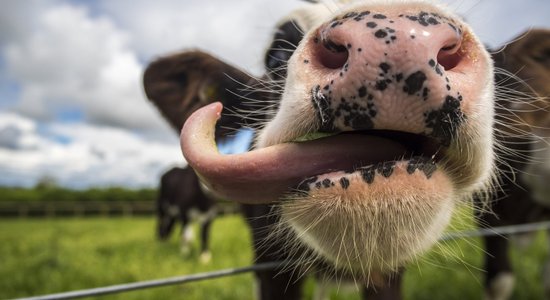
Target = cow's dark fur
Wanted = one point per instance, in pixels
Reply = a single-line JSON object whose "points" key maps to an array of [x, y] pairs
{"points": [[528, 58], [179, 194]]}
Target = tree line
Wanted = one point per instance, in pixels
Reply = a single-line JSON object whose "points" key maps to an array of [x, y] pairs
{"points": [[54, 193]]}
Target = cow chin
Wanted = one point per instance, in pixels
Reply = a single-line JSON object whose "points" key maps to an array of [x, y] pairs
{"points": [[371, 227]]}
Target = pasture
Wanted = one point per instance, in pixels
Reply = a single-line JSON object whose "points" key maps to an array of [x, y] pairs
{"points": [[41, 256]]}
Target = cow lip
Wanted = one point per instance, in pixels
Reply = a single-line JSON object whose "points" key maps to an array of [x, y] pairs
{"points": [[267, 174]]}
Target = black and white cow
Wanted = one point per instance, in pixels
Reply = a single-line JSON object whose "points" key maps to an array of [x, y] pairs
{"points": [[180, 198], [523, 129], [378, 122]]}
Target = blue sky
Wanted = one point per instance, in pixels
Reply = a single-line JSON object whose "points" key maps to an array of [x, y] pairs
{"points": [[71, 101]]}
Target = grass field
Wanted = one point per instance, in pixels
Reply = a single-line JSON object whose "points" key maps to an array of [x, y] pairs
{"points": [[39, 256]]}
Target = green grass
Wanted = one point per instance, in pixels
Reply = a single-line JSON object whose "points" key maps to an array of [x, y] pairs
{"points": [[40, 256], [50, 256]]}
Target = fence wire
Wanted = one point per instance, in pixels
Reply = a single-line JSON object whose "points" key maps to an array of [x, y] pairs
{"points": [[503, 230], [156, 283]]}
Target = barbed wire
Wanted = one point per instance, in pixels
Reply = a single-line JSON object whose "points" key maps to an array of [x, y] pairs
{"points": [[500, 231]]}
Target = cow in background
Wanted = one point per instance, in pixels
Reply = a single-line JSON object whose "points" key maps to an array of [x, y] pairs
{"points": [[178, 85], [180, 197], [523, 131]]}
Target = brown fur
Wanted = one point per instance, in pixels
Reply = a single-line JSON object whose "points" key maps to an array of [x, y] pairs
{"points": [[179, 84], [523, 121]]}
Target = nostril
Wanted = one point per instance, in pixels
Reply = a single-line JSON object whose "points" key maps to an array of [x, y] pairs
{"points": [[330, 54], [449, 56]]}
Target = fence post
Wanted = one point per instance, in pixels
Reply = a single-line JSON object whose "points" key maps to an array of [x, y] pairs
{"points": [[127, 210], [23, 211], [50, 211]]}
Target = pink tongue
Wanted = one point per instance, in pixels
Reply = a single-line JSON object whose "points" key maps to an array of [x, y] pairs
{"points": [[265, 175]]}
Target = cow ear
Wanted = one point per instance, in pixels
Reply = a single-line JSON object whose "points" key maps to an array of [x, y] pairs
{"points": [[181, 83]]}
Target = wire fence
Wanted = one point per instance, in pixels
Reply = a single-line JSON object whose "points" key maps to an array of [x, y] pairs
{"points": [[155, 283], [495, 231], [502, 230]]}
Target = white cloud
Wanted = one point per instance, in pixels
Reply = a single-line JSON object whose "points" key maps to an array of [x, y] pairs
{"points": [[15, 132], [73, 60], [238, 32], [497, 22], [17, 18], [86, 156]]}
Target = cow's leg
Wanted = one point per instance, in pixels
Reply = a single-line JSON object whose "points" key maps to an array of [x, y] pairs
{"points": [[271, 284], [274, 285], [206, 222], [388, 289], [186, 234], [499, 281]]}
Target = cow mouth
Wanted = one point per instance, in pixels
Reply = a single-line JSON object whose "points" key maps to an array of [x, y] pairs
{"points": [[268, 174], [416, 145], [401, 146]]}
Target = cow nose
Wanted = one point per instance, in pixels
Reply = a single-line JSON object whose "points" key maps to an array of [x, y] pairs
{"points": [[380, 71], [334, 44]]}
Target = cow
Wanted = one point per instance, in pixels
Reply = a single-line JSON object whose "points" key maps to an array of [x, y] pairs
{"points": [[180, 197], [374, 121], [523, 130]]}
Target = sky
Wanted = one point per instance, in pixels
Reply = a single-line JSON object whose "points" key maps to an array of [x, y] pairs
{"points": [[72, 107]]}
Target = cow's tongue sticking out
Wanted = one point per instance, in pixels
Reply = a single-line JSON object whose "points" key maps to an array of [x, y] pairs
{"points": [[265, 175]]}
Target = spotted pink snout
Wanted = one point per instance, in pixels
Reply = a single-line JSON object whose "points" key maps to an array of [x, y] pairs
{"points": [[369, 70]]}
